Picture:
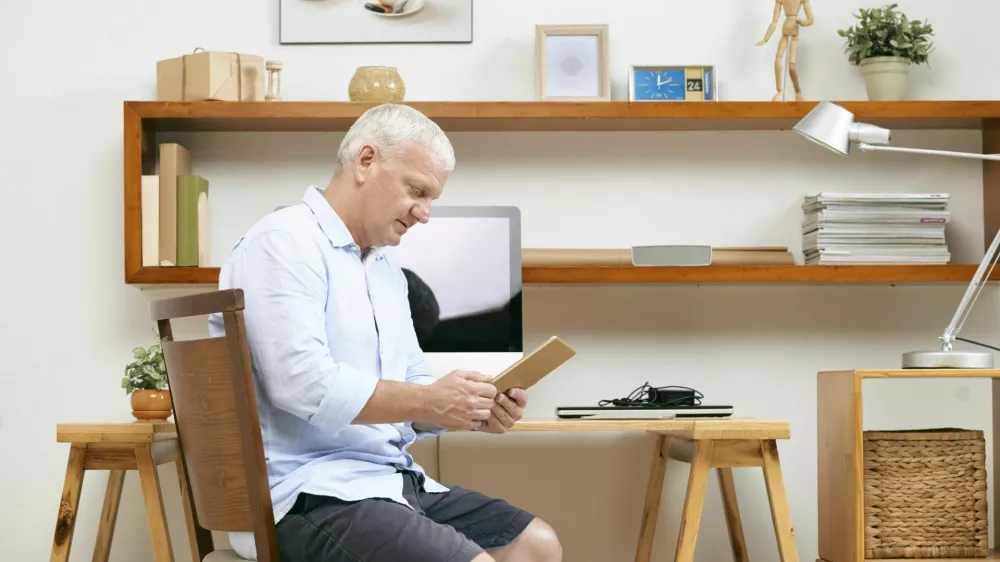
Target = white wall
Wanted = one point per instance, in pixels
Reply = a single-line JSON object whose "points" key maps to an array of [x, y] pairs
{"points": [[69, 321]]}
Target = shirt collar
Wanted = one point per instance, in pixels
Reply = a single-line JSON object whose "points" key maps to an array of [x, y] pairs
{"points": [[329, 221]]}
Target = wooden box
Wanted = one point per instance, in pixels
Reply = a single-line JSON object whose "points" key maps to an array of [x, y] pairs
{"points": [[211, 75]]}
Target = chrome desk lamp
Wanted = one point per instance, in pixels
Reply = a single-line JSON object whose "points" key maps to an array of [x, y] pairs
{"points": [[834, 128]]}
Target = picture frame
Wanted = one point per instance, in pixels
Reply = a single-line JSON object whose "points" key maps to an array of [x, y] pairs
{"points": [[572, 62], [667, 82], [320, 22]]}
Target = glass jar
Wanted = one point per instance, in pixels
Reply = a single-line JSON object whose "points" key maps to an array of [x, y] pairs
{"points": [[376, 83]]}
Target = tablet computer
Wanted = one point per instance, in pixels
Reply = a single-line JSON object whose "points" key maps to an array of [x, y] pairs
{"points": [[532, 367]]}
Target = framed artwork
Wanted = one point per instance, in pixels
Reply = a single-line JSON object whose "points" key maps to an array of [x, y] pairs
{"points": [[365, 21], [672, 83], [571, 63]]}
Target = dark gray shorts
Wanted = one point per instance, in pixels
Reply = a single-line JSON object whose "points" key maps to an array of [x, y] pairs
{"points": [[455, 526]]}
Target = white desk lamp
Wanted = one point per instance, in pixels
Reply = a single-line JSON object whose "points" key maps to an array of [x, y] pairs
{"points": [[834, 128]]}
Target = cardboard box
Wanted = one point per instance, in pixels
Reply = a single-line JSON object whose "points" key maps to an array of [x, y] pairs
{"points": [[211, 75]]}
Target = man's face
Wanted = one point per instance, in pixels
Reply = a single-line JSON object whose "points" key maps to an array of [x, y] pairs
{"points": [[398, 193]]}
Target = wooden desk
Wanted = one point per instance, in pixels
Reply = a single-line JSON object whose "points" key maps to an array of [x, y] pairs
{"points": [[720, 443], [705, 443], [117, 447]]}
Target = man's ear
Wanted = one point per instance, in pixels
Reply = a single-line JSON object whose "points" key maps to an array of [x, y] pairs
{"points": [[365, 164]]}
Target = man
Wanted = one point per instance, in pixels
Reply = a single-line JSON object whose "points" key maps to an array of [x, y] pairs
{"points": [[341, 387]]}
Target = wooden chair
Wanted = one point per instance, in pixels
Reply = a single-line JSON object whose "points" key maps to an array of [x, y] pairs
{"points": [[215, 413]]}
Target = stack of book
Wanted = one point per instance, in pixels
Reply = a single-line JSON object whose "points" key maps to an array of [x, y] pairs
{"points": [[175, 213], [875, 228]]}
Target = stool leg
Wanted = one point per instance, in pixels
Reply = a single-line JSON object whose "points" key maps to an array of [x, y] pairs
{"points": [[68, 504], [109, 514], [694, 501], [732, 509], [152, 497], [780, 515], [654, 491]]}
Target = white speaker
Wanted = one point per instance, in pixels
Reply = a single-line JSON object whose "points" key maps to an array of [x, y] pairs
{"points": [[691, 255]]}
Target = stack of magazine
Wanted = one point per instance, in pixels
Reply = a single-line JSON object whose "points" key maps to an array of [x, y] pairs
{"points": [[875, 228]]}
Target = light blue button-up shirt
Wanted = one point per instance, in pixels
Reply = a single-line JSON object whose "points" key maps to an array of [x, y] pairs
{"points": [[323, 327]]}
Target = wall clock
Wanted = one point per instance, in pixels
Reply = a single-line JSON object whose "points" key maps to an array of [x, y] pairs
{"points": [[672, 83]]}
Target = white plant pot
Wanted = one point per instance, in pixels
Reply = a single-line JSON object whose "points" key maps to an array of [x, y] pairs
{"points": [[886, 78]]}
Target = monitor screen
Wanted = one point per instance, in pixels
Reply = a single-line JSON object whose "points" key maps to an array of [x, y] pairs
{"points": [[463, 270]]}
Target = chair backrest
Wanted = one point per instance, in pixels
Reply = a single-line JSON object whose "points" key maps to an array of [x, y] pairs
{"points": [[215, 413]]}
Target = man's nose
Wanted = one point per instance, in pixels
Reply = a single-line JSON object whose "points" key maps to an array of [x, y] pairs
{"points": [[422, 213]]}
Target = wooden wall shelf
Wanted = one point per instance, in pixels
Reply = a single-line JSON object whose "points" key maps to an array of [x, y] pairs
{"points": [[892, 274], [556, 116], [756, 274], [144, 119]]}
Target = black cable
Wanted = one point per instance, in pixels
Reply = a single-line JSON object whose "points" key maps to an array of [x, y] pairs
{"points": [[977, 343], [644, 396]]}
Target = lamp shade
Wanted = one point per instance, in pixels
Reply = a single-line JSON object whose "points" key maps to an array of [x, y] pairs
{"points": [[828, 125]]}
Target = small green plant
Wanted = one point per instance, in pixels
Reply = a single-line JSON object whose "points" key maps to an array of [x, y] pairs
{"points": [[884, 32], [147, 371]]}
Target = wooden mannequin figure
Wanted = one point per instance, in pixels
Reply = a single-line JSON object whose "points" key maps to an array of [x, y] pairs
{"points": [[789, 34]]}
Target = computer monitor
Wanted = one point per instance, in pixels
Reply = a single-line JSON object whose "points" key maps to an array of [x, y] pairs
{"points": [[463, 269]]}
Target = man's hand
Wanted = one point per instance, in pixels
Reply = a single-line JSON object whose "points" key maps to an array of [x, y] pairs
{"points": [[507, 410], [459, 400]]}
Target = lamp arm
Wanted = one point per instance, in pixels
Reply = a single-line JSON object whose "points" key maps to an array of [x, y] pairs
{"points": [[989, 260], [971, 294], [879, 148]]}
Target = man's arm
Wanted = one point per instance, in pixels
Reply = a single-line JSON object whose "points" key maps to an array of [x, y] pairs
{"points": [[285, 291], [394, 402]]}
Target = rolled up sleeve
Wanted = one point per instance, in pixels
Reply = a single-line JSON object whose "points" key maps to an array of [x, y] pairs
{"points": [[422, 377], [284, 282]]}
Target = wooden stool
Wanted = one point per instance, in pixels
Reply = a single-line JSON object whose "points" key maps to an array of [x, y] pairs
{"points": [[718, 444], [140, 445]]}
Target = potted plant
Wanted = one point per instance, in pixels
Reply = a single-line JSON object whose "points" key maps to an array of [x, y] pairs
{"points": [[884, 43], [145, 381]]}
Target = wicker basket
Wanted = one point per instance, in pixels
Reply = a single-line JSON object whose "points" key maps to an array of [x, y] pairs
{"points": [[925, 494]]}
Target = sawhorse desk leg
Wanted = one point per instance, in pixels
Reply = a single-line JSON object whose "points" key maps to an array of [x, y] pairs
{"points": [[723, 455], [654, 491]]}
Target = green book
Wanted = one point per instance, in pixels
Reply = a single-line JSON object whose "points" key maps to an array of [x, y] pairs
{"points": [[192, 221]]}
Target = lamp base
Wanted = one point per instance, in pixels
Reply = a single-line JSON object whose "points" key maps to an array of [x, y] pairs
{"points": [[947, 360]]}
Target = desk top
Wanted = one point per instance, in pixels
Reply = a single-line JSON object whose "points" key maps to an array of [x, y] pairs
{"points": [[687, 428]]}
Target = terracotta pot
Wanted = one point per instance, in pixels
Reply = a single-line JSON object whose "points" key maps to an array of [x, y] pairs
{"points": [[151, 404], [376, 83]]}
